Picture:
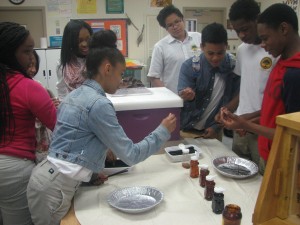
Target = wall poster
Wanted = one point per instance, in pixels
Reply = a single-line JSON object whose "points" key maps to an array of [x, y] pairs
{"points": [[114, 6], [119, 26]]}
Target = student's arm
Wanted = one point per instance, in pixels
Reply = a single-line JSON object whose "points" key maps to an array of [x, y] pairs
{"points": [[186, 82], [41, 104], [232, 121], [233, 104], [156, 82], [252, 117], [103, 122], [156, 67]]}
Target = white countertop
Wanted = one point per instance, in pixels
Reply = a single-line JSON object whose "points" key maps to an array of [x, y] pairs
{"points": [[159, 97], [183, 201]]}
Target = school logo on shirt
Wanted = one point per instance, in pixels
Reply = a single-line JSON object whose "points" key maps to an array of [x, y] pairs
{"points": [[266, 63]]}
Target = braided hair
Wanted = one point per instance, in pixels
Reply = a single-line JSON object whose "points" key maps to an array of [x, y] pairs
{"points": [[12, 35]]}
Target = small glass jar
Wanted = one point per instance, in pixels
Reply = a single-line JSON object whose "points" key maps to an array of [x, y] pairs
{"points": [[194, 171], [203, 173], [232, 215], [218, 200], [209, 188]]}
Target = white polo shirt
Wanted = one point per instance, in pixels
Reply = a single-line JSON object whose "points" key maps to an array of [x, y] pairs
{"points": [[168, 56]]}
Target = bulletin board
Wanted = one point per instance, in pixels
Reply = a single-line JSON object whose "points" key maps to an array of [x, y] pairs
{"points": [[119, 26]]}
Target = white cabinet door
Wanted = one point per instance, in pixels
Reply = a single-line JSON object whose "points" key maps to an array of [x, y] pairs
{"points": [[47, 72], [41, 76], [52, 56]]}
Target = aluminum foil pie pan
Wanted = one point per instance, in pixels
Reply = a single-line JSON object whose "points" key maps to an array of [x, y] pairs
{"points": [[135, 199], [235, 167]]}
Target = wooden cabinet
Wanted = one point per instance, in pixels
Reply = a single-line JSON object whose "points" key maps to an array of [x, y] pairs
{"points": [[278, 202], [47, 72]]}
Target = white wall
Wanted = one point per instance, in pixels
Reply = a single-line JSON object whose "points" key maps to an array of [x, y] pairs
{"points": [[137, 11]]}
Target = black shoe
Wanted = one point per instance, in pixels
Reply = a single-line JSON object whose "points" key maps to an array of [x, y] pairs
{"points": [[228, 133]]}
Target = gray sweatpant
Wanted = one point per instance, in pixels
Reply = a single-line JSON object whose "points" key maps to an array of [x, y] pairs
{"points": [[49, 194], [14, 176]]}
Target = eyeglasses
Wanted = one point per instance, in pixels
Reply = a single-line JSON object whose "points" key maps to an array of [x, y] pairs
{"points": [[175, 23]]}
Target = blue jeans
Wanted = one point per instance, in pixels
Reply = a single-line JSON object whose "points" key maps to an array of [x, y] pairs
{"points": [[14, 176], [49, 194]]}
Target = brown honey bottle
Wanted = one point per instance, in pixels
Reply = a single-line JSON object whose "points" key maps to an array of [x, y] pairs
{"points": [[209, 187], [203, 173], [194, 171]]}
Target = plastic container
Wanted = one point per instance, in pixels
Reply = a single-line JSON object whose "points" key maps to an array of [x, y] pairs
{"points": [[209, 187], [194, 171], [174, 153], [232, 215], [203, 173], [218, 200]]}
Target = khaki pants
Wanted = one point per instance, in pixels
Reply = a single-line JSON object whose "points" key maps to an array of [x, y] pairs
{"points": [[14, 176], [49, 194], [246, 147], [196, 134], [262, 166]]}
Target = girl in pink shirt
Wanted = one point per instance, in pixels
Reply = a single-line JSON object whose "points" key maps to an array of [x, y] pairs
{"points": [[22, 100]]}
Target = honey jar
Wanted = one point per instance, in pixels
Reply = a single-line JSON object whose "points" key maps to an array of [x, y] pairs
{"points": [[232, 215]]}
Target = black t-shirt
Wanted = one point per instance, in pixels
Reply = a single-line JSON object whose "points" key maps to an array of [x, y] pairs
{"points": [[291, 90]]}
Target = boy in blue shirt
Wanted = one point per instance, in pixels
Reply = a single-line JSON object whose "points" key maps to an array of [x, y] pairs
{"points": [[206, 83]]}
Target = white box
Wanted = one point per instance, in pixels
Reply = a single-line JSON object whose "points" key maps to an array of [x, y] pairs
{"points": [[140, 114], [184, 157]]}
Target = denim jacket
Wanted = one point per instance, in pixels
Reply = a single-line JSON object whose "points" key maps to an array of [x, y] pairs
{"points": [[199, 80], [87, 126]]}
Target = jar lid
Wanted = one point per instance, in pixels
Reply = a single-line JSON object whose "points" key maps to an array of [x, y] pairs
{"points": [[209, 177], [203, 166], [194, 158], [219, 190]]}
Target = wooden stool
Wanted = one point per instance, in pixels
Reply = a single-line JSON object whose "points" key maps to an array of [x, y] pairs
{"points": [[278, 201]]}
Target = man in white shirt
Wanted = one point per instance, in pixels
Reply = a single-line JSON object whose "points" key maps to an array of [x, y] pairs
{"points": [[170, 52], [253, 65]]}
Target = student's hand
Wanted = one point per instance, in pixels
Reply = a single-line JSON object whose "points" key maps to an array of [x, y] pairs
{"points": [[110, 156], [241, 132], [98, 179], [55, 101], [230, 120], [209, 133], [187, 94], [169, 122], [218, 119]]}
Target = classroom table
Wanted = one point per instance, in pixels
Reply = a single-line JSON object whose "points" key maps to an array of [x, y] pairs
{"points": [[183, 201]]}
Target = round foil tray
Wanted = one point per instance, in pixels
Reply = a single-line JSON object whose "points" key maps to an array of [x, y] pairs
{"points": [[235, 167], [135, 199]]}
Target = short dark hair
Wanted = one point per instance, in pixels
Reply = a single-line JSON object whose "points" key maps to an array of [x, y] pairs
{"points": [[103, 38], [244, 9], [214, 33], [97, 55], [165, 12], [278, 13]]}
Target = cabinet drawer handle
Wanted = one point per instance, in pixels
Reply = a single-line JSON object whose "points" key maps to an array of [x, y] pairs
{"points": [[44, 73], [49, 73]]}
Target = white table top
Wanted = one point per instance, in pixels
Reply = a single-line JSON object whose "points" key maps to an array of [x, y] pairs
{"points": [[183, 202]]}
